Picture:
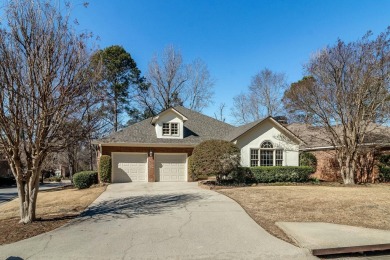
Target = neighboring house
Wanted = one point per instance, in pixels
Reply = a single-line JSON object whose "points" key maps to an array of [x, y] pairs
{"points": [[5, 170], [157, 148], [377, 141]]}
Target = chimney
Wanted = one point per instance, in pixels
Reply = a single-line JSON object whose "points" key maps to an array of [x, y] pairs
{"points": [[281, 120]]}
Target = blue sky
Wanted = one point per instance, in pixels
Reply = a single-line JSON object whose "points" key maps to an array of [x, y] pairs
{"points": [[235, 38]]}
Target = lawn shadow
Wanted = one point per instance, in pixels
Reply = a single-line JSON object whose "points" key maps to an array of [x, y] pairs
{"points": [[56, 218], [131, 207]]}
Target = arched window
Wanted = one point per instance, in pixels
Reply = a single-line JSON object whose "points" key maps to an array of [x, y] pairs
{"points": [[267, 155], [267, 145]]}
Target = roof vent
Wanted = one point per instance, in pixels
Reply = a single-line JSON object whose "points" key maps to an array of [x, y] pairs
{"points": [[281, 119]]}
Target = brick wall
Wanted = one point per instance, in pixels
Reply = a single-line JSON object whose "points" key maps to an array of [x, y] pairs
{"points": [[107, 150], [328, 169], [327, 166]]}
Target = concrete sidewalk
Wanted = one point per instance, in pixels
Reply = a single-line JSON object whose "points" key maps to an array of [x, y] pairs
{"points": [[158, 221], [322, 237]]}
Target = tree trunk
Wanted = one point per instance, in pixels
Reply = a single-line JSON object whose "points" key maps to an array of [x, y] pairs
{"points": [[115, 115], [348, 168], [28, 192]]}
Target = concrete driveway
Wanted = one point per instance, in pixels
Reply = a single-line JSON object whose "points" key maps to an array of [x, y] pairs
{"points": [[9, 193], [158, 221]]}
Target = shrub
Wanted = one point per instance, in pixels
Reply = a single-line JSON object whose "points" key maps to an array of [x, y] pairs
{"points": [[384, 159], [190, 170], [242, 175], [307, 159], [85, 179], [215, 157], [105, 168], [54, 178], [267, 174], [384, 174]]}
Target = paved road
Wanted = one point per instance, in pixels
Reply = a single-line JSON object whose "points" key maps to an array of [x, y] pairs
{"points": [[158, 221], [9, 193]]}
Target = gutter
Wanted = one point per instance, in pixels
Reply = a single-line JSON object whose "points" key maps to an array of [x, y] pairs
{"points": [[149, 145], [333, 147]]}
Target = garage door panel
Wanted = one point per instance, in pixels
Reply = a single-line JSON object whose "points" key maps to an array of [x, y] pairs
{"points": [[129, 167], [171, 167]]}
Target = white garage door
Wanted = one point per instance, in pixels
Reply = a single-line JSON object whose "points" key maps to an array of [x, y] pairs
{"points": [[171, 167], [129, 167]]}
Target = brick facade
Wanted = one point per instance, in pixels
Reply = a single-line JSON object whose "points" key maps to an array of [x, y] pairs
{"points": [[329, 170], [150, 151], [327, 166]]}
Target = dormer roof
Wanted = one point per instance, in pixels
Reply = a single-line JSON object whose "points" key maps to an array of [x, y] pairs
{"points": [[171, 109]]}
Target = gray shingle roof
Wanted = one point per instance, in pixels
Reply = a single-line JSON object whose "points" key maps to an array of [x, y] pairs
{"points": [[315, 137], [197, 128], [241, 130]]}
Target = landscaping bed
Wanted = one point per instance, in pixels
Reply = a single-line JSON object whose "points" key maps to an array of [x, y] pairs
{"points": [[55, 208], [360, 205]]}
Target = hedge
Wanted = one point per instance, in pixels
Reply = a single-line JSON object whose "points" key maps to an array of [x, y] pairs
{"points": [[267, 174], [105, 168], [85, 179], [384, 174]]}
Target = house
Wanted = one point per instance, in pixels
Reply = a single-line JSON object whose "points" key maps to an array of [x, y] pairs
{"points": [[377, 141], [157, 148], [5, 170]]}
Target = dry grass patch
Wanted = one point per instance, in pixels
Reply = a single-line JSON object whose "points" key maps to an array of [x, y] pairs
{"points": [[363, 206], [54, 209]]}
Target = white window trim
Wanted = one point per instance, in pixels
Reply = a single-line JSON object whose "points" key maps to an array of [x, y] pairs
{"points": [[274, 149], [170, 129]]}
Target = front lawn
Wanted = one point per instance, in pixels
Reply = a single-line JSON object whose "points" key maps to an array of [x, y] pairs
{"points": [[54, 208], [363, 206]]}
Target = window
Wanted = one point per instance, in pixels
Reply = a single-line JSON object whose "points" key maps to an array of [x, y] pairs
{"points": [[254, 158], [165, 129], [266, 158], [170, 129], [278, 157], [267, 155], [267, 145], [174, 128]]}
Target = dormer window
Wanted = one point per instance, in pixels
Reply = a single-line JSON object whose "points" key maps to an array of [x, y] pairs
{"points": [[170, 129]]}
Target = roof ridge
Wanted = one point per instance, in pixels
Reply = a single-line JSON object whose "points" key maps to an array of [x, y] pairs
{"points": [[193, 111]]}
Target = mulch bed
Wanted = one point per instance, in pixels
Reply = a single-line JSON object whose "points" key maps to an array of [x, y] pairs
{"points": [[13, 231]]}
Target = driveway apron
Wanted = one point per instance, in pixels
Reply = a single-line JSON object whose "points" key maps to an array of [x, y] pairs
{"points": [[158, 221]]}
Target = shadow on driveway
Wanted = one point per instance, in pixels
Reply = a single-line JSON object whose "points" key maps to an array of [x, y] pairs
{"points": [[131, 207]]}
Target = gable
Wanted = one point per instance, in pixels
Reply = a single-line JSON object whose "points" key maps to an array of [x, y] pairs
{"points": [[267, 130], [169, 111]]}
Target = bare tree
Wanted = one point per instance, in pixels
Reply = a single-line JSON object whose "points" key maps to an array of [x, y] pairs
{"points": [[171, 82], [200, 86], [263, 98], [220, 114], [43, 83], [347, 94], [245, 109]]}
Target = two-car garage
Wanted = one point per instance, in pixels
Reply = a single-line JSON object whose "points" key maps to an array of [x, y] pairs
{"points": [[133, 167]]}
